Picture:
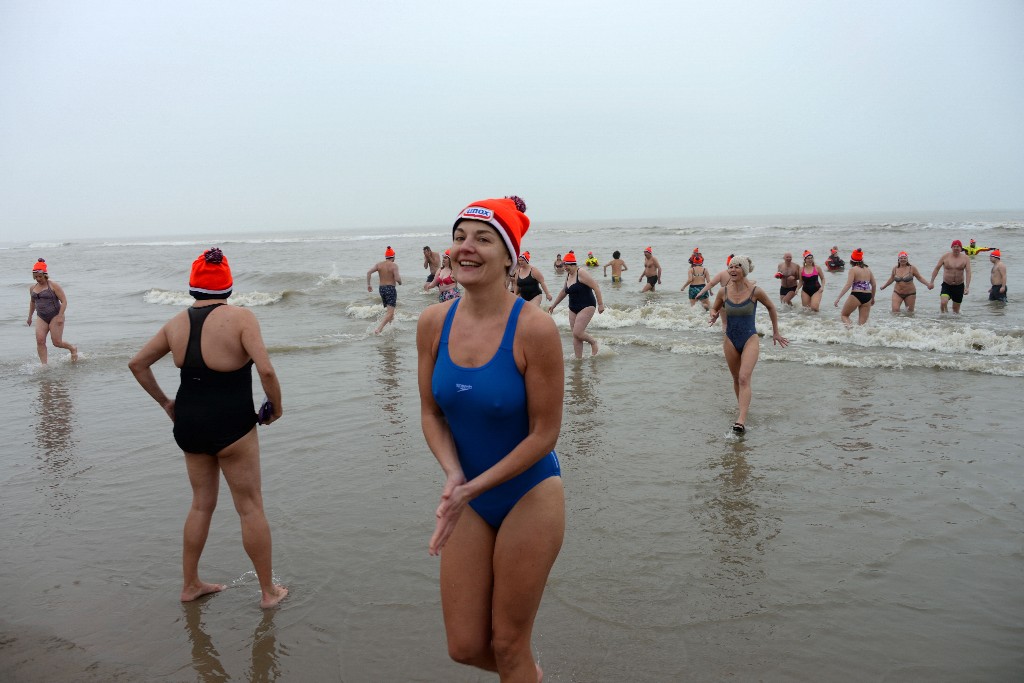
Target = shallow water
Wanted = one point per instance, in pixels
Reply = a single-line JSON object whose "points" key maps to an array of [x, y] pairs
{"points": [[867, 527]]}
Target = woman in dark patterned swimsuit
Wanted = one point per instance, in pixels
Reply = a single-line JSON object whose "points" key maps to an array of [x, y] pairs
{"points": [[47, 301]]}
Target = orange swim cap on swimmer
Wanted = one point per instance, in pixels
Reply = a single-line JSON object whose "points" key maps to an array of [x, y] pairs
{"points": [[389, 252], [39, 266], [569, 258], [996, 253], [902, 254], [507, 216], [649, 250], [807, 253], [211, 276], [698, 259], [525, 256], [728, 259], [956, 243], [857, 255]]}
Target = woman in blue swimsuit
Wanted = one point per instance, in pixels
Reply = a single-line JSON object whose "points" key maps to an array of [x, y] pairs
{"points": [[737, 300], [214, 418], [490, 379]]}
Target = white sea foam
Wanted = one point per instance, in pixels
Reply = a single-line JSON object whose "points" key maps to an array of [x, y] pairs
{"points": [[175, 298]]}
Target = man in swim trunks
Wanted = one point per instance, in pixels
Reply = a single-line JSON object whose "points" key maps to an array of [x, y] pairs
{"points": [[618, 265], [998, 278], [956, 276], [652, 271], [789, 277], [387, 272], [431, 260]]}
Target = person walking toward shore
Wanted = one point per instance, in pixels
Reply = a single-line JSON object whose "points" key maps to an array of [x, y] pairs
{"points": [[431, 261], [721, 277], [652, 271], [214, 418], [998, 277], [737, 301], [861, 285], [527, 281], [811, 283], [903, 291], [696, 281], [447, 287], [387, 274], [584, 299], [491, 415], [46, 299], [789, 277], [956, 277], [617, 266]]}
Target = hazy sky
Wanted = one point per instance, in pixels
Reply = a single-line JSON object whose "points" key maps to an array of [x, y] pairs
{"points": [[137, 117]]}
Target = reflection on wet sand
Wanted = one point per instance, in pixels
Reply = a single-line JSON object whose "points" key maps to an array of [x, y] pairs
{"points": [[741, 527], [389, 395], [55, 445], [265, 664], [582, 399]]}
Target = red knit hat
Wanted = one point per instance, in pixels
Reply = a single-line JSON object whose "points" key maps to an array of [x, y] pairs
{"points": [[211, 276], [857, 255], [389, 252], [570, 258], [39, 266], [507, 216]]}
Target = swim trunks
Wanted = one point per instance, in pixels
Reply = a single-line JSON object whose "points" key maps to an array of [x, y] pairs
{"points": [[430, 278], [783, 291], [388, 295], [212, 409], [695, 290], [954, 292], [739, 320], [995, 295], [47, 304], [616, 278], [486, 412], [652, 280], [580, 295]]}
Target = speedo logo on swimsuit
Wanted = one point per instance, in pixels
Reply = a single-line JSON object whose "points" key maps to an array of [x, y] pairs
{"points": [[463, 387], [477, 212]]}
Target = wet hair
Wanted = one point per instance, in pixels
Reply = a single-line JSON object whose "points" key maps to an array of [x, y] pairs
{"points": [[616, 254]]}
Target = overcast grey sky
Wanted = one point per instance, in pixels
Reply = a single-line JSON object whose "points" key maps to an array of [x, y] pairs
{"points": [[131, 117]]}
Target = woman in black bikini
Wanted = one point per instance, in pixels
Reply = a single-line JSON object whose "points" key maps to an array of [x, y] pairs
{"points": [[528, 281], [47, 300], [903, 291], [581, 290], [861, 285], [214, 418]]}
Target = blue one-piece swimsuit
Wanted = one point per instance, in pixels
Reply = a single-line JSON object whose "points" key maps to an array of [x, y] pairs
{"points": [[739, 320], [486, 412]]}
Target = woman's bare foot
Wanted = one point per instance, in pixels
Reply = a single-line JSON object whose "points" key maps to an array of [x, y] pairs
{"points": [[275, 598], [74, 354], [540, 674], [189, 593], [593, 348]]}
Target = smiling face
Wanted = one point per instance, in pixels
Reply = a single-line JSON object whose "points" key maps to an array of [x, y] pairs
{"points": [[735, 272], [479, 254]]}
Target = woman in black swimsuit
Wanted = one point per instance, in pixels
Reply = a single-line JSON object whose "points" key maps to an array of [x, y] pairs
{"points": [[47, 300], [581, 290], [529, 281], [812, 283], [903, 291], [214, 418]]}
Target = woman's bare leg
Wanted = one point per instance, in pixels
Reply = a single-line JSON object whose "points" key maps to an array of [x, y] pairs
{"points": [[467, 579], [57, 337], [579, 331], [204, 476], [241, 465], [527, 545], [42, 329], [849, 306]]}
